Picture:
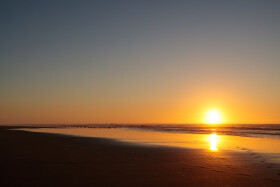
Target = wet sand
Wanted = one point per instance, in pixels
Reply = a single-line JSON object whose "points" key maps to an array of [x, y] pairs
{"points": [[38, 159]]}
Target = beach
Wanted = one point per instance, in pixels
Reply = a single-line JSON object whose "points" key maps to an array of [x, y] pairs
{"points": [[40, 159], [150, 93]]}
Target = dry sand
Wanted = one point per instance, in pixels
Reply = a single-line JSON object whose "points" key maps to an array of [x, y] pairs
{"points": [[38, 159]]}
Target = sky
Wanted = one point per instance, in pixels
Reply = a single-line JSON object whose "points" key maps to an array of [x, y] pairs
{"points": [[154, 61]]}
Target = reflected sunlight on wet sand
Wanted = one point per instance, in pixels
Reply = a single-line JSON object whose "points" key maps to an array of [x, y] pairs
{"points": [[212, 142]]}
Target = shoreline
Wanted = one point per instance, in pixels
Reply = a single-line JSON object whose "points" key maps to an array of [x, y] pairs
{"points": [[41, 159]]}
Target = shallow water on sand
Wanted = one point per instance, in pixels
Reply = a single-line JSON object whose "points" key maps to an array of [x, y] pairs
{"points": [[258, 147]]}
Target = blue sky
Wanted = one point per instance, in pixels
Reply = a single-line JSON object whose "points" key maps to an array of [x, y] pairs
{"points": [[108, 61]]}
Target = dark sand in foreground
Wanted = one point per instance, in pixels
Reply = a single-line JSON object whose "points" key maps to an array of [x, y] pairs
{"points": [[37, 159]]}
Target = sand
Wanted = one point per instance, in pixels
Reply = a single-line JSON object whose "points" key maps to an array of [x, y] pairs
{"points": [[38, 159]]}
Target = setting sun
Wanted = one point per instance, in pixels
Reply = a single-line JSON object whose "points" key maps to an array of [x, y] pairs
{"points": [[213, 117]]}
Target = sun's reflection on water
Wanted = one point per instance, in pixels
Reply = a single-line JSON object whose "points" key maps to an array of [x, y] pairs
{"points": [[213, 140]]}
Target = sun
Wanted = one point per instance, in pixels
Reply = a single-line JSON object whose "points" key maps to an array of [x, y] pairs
{"points": [[213, 116]]}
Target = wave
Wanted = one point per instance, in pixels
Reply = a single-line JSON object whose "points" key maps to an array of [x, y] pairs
{"points": [[248, 130]]}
